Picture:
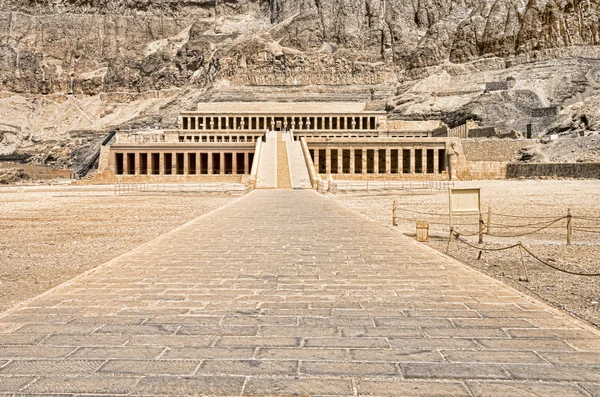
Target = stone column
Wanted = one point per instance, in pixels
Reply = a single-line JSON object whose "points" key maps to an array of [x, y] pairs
{"points": [[316, 159], [328, 161], [137, 164], [234, 163], [412, 160], [246, 163], [161, 163], [364, 161], [388, 160], [340, 154], [210, 163], [222, 163], [376, 161], [436, 161], [352, 166], [186, 163], [198, 163], [424, 160], [125, 163], [360, 125], [400, 161], [173, 163]]}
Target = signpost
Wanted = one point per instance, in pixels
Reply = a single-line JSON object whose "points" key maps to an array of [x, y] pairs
{"points": [[464, 201]]}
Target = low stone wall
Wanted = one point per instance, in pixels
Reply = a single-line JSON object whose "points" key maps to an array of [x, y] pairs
{"points": [[106, 178], [39, 172], [478, 170], [560, 170], [493, 149]]}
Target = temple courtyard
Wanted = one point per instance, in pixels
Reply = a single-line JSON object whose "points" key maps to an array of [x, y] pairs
{"points": [[284, 292]]}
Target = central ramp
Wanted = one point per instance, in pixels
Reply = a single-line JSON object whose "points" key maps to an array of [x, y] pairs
{"points": [[285, 292]]}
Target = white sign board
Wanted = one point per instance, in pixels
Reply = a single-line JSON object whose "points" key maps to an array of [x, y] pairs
{"points": [[465, 201]]}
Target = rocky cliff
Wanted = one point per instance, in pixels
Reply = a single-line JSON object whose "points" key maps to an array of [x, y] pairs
{"points": [[72, 69]]}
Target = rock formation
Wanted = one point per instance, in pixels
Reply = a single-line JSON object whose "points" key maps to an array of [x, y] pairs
{"points": [[72, 68]]}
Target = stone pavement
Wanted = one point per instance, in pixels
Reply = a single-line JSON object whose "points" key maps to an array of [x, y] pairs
{"points": [[286, 292]]}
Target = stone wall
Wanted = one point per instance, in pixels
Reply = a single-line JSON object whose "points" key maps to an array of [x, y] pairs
{"points": [[493, 149], [561, 170]]}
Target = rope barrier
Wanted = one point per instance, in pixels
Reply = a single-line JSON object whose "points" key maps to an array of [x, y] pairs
{"points": [[520, 245], [503, 225], [524, 217], [528, 233], [586, 230]]}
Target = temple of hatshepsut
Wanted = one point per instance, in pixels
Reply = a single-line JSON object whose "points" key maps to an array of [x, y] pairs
{"points": [[269, 143]]}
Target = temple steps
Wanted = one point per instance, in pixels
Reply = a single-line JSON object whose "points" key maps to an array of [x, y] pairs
{"points": [[283, 170]]}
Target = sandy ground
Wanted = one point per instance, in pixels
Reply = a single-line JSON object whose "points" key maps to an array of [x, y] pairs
{"points": [[51, 234], [528, 202]]}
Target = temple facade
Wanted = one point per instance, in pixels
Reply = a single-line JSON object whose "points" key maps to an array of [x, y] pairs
{"points": [[223, 141]]}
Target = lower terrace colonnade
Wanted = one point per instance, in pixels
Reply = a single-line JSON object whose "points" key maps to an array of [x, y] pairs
{"points": [[183, 163], [360, 160]]}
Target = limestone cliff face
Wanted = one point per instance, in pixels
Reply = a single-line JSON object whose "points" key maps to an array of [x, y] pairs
{"points": [[90, 47], [68, 67]]}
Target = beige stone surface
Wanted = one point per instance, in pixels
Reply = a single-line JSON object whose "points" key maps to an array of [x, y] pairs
{"points": [[251, 277]]}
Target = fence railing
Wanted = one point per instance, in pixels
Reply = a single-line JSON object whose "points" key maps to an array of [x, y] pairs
{"points": [[125, 188]]}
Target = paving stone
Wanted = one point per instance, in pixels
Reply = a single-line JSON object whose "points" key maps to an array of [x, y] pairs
{"points": [[171, 340], [298, 387], [298, 331], [347, 342], [249, 367], [320, 368], [37, 318], [412, 322], [118, 320], [453, 371], [302, 354], [34, 352], [209, 353], [262, 320], [258, 341], [396, 355], [493, 357], [525, 389], [382, 332], [552, 373], [91, 384], [197, 386], [432, 343], [465, 333], [588, 345], [492, 323], [63, 329], [153, 367], [118, 352], [551, 333], [575, 358], [21, 339], [86, 340], [221, 331], [12, 384], [138, 329], [411, 388], [525, 344], [51, 367]]}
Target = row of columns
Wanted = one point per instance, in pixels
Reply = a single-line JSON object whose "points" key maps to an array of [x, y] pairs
{"points": [[439, 163], [132, 164], [269, 122]]}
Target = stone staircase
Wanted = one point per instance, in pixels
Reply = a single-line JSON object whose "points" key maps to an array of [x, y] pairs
{"points": [[300, 177], [283, 169], [267, 165]]}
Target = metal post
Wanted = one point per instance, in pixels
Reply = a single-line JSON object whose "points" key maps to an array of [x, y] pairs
{"points": [[569, 226], [394, 220], [489, 220], [480, 228]]}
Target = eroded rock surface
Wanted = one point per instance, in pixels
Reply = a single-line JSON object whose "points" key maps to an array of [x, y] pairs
{"points": [[73, 66]]}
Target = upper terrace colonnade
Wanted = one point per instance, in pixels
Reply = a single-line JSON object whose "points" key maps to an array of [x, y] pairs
{"points": [[262, 116]]}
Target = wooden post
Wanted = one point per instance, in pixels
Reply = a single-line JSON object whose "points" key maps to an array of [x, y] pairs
{"points": [[480, 228], [394, 220], [489, 220], [569, 226]]}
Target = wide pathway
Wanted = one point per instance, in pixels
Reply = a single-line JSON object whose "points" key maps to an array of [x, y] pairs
{"points": [[288, 293]]}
